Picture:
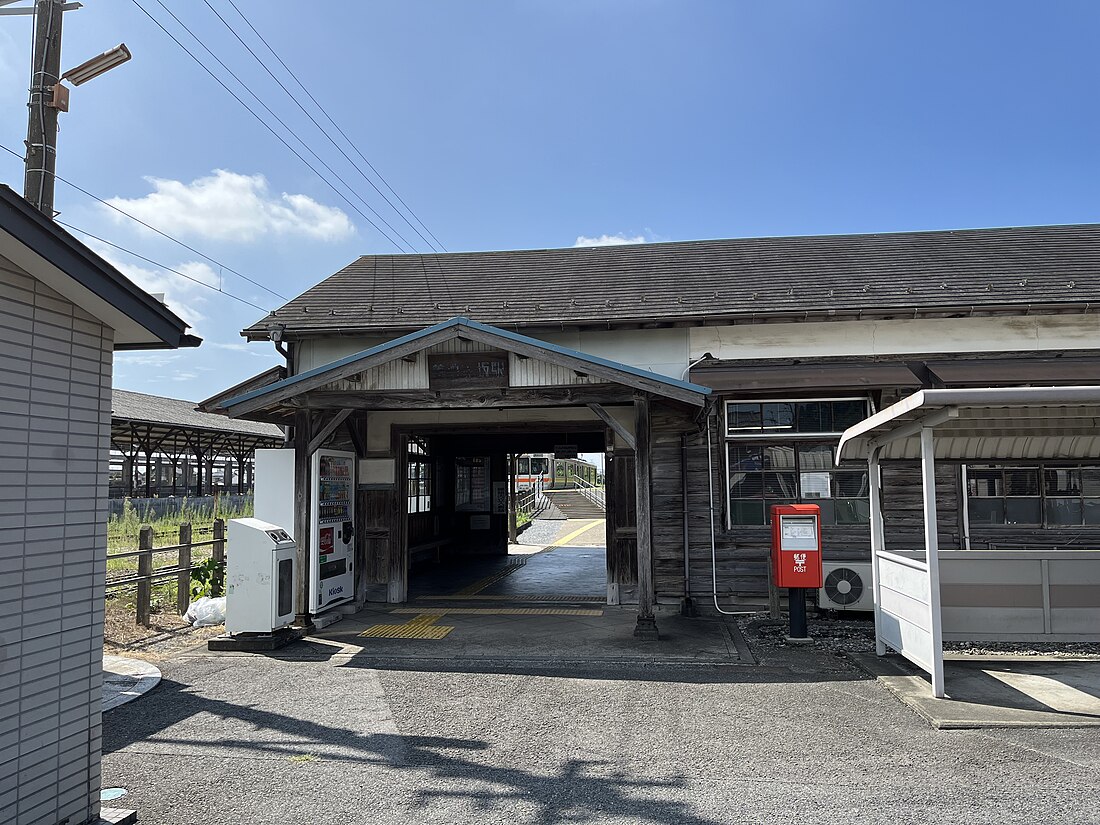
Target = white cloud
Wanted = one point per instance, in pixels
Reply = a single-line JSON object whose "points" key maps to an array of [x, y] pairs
{"points": [[228, 206], [608, 240], [184, 297], [246, 349], [146, 359]]}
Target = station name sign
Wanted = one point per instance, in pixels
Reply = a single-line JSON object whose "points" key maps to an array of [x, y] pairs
{"points": [[467, 370]]}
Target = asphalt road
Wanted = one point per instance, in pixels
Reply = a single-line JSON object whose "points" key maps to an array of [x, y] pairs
{"points": [[324, 738]]}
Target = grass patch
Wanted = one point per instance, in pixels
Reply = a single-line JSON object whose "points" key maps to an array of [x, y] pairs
{"points": [[122, 536]]}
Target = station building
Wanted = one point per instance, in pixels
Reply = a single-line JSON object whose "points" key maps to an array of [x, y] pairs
{"points": [[716, 377]]}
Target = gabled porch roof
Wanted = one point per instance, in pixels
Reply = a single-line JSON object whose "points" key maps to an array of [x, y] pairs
{"points": [[282, 393]]}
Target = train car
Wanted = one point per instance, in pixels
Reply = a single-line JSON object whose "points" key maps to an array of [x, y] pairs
{"points": [[543, 468]]}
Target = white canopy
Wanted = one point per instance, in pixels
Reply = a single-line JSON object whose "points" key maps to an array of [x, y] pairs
{"points": [[1049, 423], [963, 424]]}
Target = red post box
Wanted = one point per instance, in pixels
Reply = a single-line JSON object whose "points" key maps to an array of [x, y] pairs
{"points": [[796, 545]]}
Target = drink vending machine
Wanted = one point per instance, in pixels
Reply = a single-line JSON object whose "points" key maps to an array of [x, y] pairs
{"points": [[332, 519], [331, 572]]}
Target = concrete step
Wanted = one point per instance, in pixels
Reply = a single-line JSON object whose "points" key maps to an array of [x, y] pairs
{"points": [[574, 504]]}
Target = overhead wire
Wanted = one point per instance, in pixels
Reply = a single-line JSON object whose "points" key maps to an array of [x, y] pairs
{"points": [[313, 120], [268, 126], [336, 125], [152, 228], [435, 259], [165, 267]]}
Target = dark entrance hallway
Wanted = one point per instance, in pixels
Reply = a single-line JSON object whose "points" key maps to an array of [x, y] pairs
{"points": [[462, 547]]}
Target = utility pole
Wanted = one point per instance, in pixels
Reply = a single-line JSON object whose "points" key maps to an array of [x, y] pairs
{"points": [[38, 185]]}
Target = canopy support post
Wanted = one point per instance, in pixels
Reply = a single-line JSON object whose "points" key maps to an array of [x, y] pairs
{"points": [[932, 556], [878, 542]]}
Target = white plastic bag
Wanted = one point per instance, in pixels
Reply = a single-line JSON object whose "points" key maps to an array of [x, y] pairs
{"points": [[206, 612]]}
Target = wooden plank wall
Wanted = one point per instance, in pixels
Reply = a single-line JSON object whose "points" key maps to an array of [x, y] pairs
{"points": [[622, 552], [742, 553]]}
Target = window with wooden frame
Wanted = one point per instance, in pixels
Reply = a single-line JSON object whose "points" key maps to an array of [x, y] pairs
{"points": [[782, 452], [419, 476], [1046, 495]]}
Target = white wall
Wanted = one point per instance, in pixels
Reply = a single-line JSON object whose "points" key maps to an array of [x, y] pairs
{"points": [[664, 351], [55, 424], [898, 337]]}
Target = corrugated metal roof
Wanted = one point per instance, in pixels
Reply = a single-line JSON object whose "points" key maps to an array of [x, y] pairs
{"points": [[996, 424], [155, 409], [761, 277]]}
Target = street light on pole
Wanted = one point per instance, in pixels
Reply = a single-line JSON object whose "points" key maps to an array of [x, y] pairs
{"points": [[48, 97]]}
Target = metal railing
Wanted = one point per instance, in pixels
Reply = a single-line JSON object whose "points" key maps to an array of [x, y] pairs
{"points": [[532, 501], [181, 570], [597, 495]]}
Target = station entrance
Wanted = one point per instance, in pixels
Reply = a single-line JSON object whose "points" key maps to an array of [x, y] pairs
{"points": [[497, 517], [433, 420]]}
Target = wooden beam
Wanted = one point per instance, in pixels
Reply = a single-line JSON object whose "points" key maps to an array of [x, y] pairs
{"points": [[358, 437], [646, 628], [327, 430], [302, 480], [626, 435], [314, 379], [608, 373], [560, 396]]}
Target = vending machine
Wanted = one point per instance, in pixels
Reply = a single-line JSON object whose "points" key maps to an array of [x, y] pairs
{"points": [[332, 525]]}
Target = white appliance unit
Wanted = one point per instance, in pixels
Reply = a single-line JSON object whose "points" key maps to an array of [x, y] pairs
{"points": [[847, 586], [260, 577], [273, 486], [332, 522]]}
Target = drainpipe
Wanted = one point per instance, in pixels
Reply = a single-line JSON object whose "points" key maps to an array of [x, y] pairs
{"points": [[686, 606], [276, 336], [713, 552]]}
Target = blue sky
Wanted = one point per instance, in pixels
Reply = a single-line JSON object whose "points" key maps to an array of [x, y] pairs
{"points": [[535, 123]]}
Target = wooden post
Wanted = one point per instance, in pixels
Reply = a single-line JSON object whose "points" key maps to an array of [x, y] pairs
{"points": [[183, 581], [646, 627], [513, 528], [302, 478], [145, 568], [219, 556], [773, 594]]}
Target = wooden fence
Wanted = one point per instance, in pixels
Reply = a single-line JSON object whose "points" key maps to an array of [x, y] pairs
{"points": [[180, 570]]}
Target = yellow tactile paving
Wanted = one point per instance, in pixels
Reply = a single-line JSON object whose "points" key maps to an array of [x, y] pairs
{"points": [[563, 542], [439, 612], [422, 627]]}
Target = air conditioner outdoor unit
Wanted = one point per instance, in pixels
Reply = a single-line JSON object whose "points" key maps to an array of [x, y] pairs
{"points": [[847, 586]]}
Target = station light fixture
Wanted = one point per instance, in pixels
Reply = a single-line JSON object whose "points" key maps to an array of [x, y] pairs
{"points": [[98, 65]]}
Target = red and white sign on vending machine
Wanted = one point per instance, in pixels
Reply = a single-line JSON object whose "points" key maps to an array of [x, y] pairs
{"points": [[796, 545]]}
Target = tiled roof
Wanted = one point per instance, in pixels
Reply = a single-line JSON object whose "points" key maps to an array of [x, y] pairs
{"points": [[666, 282], [154, 409]]}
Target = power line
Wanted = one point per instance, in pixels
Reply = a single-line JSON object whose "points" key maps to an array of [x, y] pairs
{"points": [[268, 126], [320, 128], [163, 234], [160, 265], [324, 111]]}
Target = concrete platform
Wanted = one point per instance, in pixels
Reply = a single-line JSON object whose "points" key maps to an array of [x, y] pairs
{"points": [[126, 679], [546, 633], [997, 692]]}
